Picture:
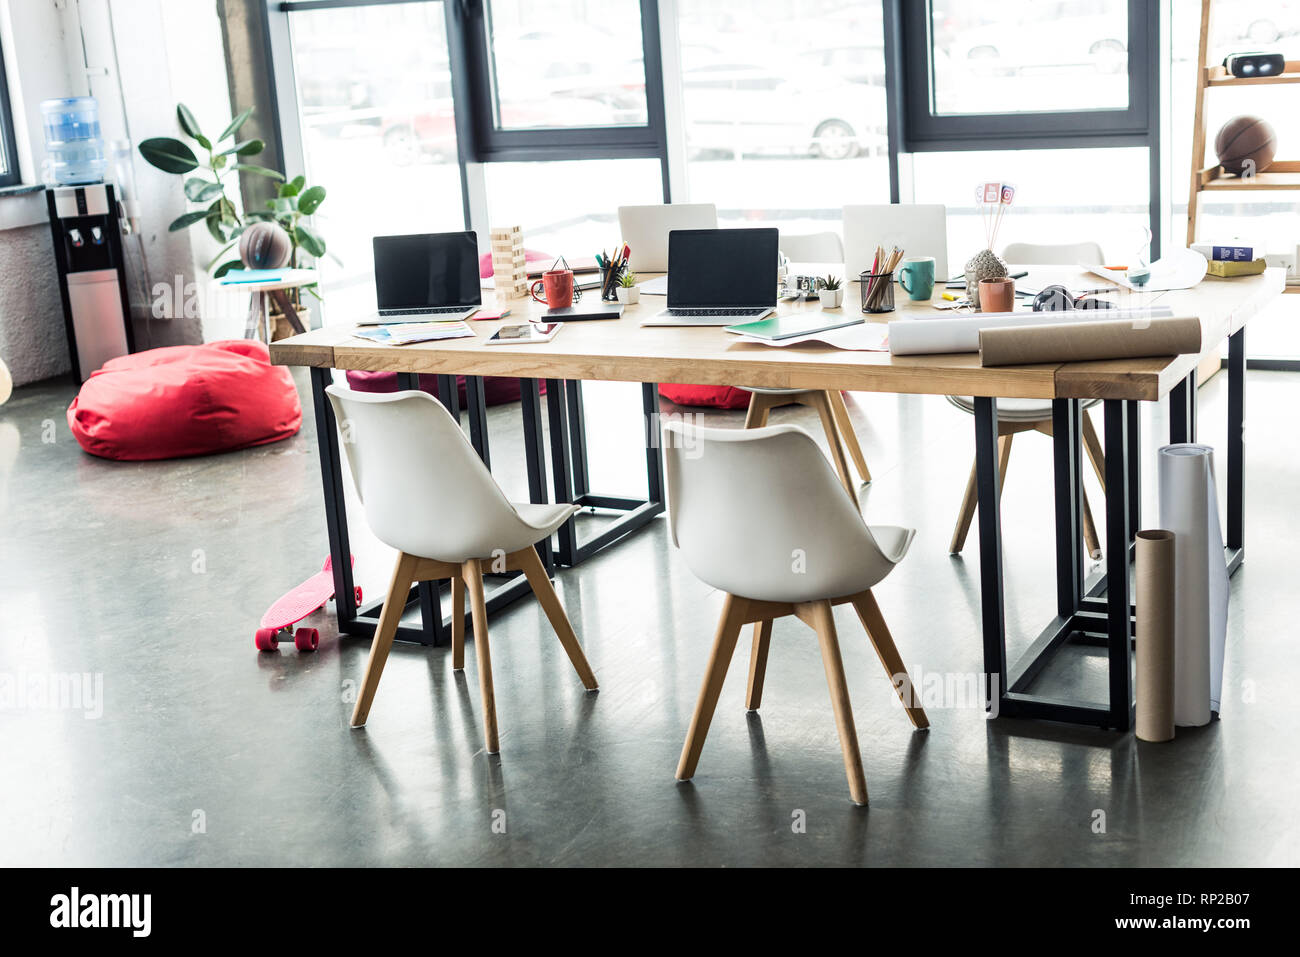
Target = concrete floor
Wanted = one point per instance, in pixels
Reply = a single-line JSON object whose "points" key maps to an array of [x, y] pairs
{"points": [[151, 577]]}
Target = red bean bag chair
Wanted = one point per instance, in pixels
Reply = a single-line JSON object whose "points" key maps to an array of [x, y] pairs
{"points": [[713, 396], [496, 390], [185, 400]]}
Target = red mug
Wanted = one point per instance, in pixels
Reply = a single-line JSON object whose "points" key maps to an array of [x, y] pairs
{"points": [[556, 286]]}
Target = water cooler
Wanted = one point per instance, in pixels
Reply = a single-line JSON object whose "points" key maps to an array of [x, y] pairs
{"points": [[92, 274]]}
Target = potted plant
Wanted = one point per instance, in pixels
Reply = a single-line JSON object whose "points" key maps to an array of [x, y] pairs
{"points": [[831, 292], [628, 291]]}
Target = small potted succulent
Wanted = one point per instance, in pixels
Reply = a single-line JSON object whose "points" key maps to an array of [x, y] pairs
{"points": [[628, 292], [831, 292]]}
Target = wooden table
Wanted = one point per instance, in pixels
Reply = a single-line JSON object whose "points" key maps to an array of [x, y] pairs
{"points": [[1099, 611]]}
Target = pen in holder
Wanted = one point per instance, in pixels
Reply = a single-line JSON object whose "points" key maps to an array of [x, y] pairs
{"points": [[608, 283], [877, 291]]}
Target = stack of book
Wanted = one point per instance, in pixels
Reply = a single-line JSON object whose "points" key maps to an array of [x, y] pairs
{"points": [[1233, 258]]}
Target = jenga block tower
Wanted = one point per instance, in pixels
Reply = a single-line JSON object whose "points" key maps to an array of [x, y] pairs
{"points": [[509, 269]]}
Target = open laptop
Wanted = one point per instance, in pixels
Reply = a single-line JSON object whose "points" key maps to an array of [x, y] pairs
{"points": [[645, 229], [718, 277], [426, 277]]}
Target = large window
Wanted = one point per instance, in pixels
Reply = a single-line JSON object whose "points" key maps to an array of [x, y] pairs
{"points": [[378, 127], [10, 175], [784, 108]]}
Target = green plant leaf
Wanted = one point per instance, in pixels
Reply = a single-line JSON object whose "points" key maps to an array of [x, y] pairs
{"points": [[311, 199], [221, 252], [258, 170], [226, 266], [186, 220], [190, 125], [245, 148], [233, 127], [200, 190], [169, 155], [294, 186], [309, 241], [213, 221]]}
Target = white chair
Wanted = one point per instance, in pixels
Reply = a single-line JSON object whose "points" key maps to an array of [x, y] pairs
{"points": [[815, 248], [428, 495], [757, 514], [1026, 415]]}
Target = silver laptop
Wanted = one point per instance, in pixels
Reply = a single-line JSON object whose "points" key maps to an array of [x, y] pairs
{"points": [[426, 277], [645, 229], [718, 277], [918, 230]]}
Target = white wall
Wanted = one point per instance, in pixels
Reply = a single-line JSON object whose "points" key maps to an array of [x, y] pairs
{"points": [[168, 50]]}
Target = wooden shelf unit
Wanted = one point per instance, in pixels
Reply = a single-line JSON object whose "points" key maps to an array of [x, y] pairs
{"points": [[1219, 76]]}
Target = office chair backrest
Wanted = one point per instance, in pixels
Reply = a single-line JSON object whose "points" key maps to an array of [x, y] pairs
{"points": [[1048, 254], [813, 247], [918, 230], [425, 491], [760, 514], [645, 229]]}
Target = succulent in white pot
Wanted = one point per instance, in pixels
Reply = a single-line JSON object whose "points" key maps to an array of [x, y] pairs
{"points": [[831, 292], [628, 291]]}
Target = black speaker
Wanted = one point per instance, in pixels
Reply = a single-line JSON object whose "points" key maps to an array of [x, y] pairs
{"points": [[1254, 64]]}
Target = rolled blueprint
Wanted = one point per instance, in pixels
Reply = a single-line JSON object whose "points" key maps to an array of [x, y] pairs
{"points": [[1081, 342], [1189, 507], [1154, 574], [909, 337]]}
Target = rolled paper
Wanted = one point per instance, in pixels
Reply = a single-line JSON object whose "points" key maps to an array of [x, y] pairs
{"points": [[1189, 507], [1154, 574], [916, 336], [1081, 342]]}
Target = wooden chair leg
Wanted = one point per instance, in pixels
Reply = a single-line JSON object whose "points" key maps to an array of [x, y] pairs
{"points": [[550, 602], [1092, 445], [970, 500], [473, 575], [758, 663], [724, 645], [756, 414], [841, 412], [818, 614], [965, 515], [1089, 528], [457, 623], [819, 401], [874, 623], [394, 605]]}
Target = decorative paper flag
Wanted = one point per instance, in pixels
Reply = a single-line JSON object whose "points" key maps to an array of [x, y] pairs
{"points": [[1008, 194], [992, 191]]}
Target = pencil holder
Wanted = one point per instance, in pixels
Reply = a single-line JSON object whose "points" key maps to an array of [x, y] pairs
{"points": [[877, 291], [609, 284]]}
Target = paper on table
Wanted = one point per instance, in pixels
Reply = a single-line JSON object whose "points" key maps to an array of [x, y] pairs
{"points": [[1181, 269], [1082, 342], [1189, 507], [1155, 588], [863, 337], [658, 286], [909, 337]]}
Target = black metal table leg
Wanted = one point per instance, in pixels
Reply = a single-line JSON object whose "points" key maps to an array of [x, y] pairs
{"points": [[654, 461], [1236, 537], [578, 436], [534, 453], [336, 512], [1182, 410], [992, 609], [476, 403], [449, 395], [1134, 428], [1118, 533], [1068, 484], [561, 466]]}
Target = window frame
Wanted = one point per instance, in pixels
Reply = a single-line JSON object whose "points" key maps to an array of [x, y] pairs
{"points": [[12, 174]]}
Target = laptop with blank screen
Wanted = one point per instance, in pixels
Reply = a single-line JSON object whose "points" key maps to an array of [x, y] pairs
{"points": [[717, 277], [426, 277]]}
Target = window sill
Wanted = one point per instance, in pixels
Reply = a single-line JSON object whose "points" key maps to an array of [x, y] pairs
{"points": [[22, 206], [20, 190]]}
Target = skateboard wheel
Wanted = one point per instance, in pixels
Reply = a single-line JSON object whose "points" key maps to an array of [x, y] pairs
{"points": [[358, 594], [266, 639], [306, 639]]}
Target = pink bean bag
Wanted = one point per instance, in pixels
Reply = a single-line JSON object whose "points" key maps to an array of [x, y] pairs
{"points": [[485, 270], [185, 400], [712, 396]]}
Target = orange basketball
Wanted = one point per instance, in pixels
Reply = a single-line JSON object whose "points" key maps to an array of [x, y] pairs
{"points": [[1245, 140]]}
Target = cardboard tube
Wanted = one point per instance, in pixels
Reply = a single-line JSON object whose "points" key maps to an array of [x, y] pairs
{"points": [[1154, 571], [1080, 342]]}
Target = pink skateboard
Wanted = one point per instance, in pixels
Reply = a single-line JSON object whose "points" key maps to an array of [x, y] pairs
{"points": [[293, 607]]}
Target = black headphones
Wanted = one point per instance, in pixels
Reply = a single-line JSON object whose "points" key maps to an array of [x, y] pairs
{"points": [[1056, 298]]}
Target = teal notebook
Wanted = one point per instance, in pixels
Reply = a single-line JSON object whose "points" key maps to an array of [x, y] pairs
{"points": [[787, 327]]}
